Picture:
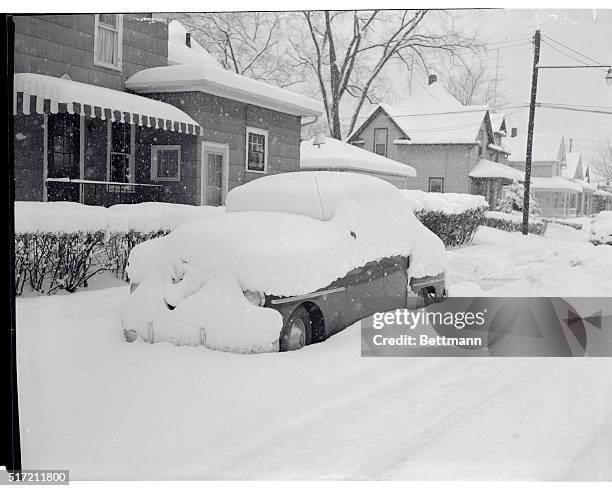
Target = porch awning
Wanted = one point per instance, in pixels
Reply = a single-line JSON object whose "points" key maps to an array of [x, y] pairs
{"points": [[487, 169], [50, 95]]}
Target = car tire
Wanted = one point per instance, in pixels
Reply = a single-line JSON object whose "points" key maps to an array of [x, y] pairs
{"points": [[425, 298], [297, 332]]}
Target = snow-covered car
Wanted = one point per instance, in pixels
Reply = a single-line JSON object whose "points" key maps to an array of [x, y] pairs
{"points": [[601, 228], [295, 258]]}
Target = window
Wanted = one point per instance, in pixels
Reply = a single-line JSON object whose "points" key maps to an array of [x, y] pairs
{"points": [[121, 151], [108, 40], [165, 162], [257, 150], [63, 156], [436, 184], [380, 141]]}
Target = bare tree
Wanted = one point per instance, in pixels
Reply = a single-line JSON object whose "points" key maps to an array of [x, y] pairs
{"points": [[248, 43], [471, 84], [601, 160], [348, 51]]}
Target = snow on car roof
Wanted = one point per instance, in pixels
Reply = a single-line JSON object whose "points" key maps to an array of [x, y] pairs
{"points": [[336, 154], [315, 194]]}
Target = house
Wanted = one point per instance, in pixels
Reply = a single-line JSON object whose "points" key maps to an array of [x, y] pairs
{"points": [[334, 155], [116, 108], [441, 138], [555, 182]]}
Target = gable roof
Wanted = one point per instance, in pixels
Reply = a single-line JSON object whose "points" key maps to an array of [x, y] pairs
{"points": [[433, 116], [573, 169], [498, 122], [547, 147], [193, 69]]}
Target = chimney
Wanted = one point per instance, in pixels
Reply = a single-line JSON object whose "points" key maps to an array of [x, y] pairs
{"points": [[432, 79], [188, 39], [513, 132]]}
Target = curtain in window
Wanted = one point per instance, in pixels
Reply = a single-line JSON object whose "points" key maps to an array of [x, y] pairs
{"points": [[106, 45]]}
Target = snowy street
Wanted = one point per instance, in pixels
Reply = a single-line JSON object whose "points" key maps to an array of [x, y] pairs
{"points": [[562, 263], [103, 408]]}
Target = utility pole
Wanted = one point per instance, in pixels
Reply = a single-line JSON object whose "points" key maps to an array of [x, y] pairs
{"points": [[532, 107], [496, 72]]}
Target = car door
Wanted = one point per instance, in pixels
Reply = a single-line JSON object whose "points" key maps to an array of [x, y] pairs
{"points": [[364, 291], [395, 283]]}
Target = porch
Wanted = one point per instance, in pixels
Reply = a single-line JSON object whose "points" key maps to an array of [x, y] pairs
{"points": [[488, 179], [97, 146]]}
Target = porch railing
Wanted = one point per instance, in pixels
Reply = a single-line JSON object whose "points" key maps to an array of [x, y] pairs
{"points": [[101, 193]]}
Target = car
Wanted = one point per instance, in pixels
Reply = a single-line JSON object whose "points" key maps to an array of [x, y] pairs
{"points": [[295, 258], [601, 228]]}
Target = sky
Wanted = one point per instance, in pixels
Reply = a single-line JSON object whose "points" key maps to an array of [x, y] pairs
{"points": [[586, 31]]}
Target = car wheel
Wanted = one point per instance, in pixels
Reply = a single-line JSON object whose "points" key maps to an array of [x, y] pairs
{"points": [[425, 297], [297, 333]]}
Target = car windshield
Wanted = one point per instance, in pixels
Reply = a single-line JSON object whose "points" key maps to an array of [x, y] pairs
{"points": [[310, 193]]}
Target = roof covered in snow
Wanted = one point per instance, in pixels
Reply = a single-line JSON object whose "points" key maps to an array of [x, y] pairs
{"points": [[181, 54], [547, 147], [487, 169], [573, 168], [338, 155], [556, 183], [194, 70], [498, 122], [432, 116], [98, 101]]}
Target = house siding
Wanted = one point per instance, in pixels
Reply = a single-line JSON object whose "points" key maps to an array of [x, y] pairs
{"points": [[64, 44], [453, 162], [225, 121]]}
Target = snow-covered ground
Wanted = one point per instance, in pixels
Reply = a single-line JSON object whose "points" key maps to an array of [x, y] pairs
{"points": [[103, 408], [562, 263]]}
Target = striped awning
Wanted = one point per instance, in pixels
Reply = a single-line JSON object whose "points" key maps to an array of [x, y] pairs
{"points": [[42, 94]]}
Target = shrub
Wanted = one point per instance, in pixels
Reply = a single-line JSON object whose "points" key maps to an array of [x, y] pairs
{"points": [[513, 222], [60, 246], [454, 229], [513, 200], [454, 217], [50, 262]]}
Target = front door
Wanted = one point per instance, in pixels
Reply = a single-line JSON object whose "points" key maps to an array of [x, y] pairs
{"points": [[214, 174]]}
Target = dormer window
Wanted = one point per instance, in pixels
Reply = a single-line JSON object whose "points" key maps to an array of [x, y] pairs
{"points": [[108, 40]]}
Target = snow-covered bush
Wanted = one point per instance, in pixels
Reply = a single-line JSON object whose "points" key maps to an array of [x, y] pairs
{"points": [[454, 217], [513, 222], [61, 245], [512, 200]]}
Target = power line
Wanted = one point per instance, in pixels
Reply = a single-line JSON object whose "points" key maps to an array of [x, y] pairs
{"points": [[573, 50], [583, 62], [567, 108]]}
